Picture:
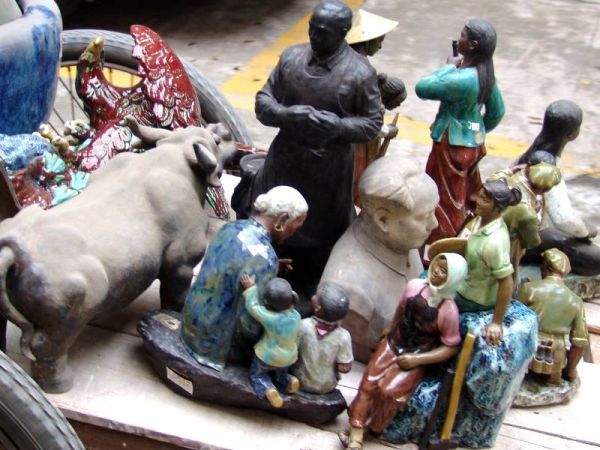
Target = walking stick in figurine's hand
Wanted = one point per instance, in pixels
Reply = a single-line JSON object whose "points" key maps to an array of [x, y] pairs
{"points": [[464, 358]]}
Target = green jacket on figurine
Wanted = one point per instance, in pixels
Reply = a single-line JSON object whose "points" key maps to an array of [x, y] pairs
{"points": [[459, 112]]}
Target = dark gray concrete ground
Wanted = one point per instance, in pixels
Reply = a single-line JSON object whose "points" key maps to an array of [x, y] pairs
{"points": [[547, 50]]}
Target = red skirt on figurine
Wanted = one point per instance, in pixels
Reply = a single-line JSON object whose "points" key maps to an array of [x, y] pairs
{"points": [[384, 390], [456, 173]]}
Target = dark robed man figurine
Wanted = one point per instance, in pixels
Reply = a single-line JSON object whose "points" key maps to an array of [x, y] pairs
{"points": [[323, 97]]}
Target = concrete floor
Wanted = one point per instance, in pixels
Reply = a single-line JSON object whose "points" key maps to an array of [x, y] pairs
{"points": [[547, 50]]}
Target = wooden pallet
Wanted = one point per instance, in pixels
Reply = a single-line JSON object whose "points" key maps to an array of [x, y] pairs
{"points": [[118, 402]]}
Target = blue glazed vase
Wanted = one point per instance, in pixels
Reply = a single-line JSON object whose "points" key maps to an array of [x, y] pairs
{"points": [[29, 61]]}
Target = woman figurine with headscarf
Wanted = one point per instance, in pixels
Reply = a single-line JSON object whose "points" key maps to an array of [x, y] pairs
{"points": [[424, 332], [464, 87]]}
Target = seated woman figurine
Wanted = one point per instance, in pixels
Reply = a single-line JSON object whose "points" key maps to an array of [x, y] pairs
{"points": [[485, 242], [562, 227], [424, 331]]}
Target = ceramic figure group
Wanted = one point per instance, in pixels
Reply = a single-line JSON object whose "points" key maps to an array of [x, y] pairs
{"points": [[244, 337]]}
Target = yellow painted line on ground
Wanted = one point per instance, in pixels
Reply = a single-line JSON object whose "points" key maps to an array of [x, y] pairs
{"points": [[241, 88]]}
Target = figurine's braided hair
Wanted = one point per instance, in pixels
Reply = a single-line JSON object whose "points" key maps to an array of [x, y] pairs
{"points": [[484, 33], [502, 194]]}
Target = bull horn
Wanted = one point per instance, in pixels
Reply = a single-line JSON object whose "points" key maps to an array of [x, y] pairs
{"points": [[206, 160]]}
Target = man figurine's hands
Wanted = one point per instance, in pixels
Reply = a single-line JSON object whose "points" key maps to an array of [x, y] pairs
{"points": [[325, 122], [298, 113], [247, 281], [285, 265]]}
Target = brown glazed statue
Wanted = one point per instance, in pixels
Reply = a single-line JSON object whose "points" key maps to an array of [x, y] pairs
{"points": [[375, 257], [141, 218]]}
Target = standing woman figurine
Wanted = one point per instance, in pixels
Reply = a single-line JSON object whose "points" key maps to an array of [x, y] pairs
{"points": [[464, 87]]}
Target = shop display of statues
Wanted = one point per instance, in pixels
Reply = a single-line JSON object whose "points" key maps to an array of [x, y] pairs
{"points": [[140, 218], [323, 97], [235, 336], [375, 257], [552, 376], [462, 86], [424, 331]]}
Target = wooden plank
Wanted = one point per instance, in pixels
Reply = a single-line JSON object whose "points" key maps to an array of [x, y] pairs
{"points": [[116, 389], [98, 438], [592, 316], [576, 421], [511, 438]]}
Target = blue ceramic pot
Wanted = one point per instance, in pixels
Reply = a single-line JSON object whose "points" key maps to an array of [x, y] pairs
{"points": [[29, 62]]}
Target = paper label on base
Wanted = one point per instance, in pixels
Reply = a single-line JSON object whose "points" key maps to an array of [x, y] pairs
{"points": [[183, 383]]}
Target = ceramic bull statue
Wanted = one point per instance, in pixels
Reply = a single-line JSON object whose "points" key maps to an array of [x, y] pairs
{"points": [[141, 218]]}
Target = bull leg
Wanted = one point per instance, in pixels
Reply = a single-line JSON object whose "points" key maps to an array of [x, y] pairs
{"points": [[53, 375], [51, 369], [174, 285]]}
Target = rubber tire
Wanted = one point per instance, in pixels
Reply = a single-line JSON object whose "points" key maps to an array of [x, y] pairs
{"points": [[117, 50], [27, 419]]}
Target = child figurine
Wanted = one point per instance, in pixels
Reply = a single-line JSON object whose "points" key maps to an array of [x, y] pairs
{"points": [[324, 347], [277, 349], [424, 331], [560, 313]]}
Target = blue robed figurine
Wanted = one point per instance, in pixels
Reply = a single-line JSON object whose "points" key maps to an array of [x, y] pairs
{"points": [[216, 327]]}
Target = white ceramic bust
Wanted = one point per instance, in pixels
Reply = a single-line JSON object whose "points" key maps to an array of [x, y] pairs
{"points": [[376, 256]]}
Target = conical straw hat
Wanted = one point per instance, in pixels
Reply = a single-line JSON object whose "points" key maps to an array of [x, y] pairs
{"points": [[367, 26]]}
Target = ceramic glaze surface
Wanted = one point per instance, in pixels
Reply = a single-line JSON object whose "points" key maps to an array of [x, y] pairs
{"points": [[29, 59], [214, 309], [491, 382]]}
